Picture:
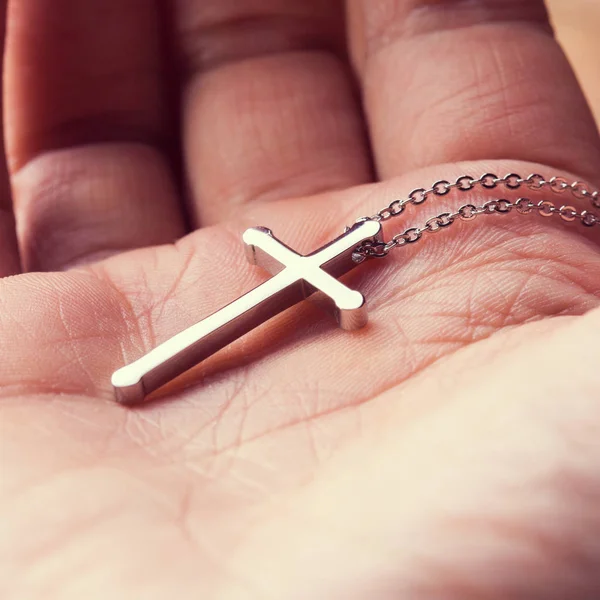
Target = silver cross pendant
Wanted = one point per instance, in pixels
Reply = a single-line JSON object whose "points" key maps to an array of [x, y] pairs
{"points": [[295, 278]]}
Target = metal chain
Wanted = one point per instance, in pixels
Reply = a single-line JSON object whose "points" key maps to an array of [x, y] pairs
{"points": [[468, 212]]}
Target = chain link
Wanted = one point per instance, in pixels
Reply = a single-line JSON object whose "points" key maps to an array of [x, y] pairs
{"points": [[468, 212]]}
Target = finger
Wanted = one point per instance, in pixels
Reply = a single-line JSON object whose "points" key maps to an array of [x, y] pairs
{"points": [[9, 256], [576, 26], [88, 129], [448, 81], [269, 105]]}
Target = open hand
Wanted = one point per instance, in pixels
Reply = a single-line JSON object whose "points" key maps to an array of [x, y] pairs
{"points": [[448, 450]]}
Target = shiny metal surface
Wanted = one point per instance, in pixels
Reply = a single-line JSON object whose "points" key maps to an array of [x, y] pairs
{"points": [[489, 181], [295, 277]]}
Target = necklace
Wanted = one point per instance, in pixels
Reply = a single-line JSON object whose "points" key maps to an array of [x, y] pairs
{"points": [[296, 277]]}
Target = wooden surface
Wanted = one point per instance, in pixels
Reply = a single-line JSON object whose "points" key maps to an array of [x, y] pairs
{"points": [[577, 24]]}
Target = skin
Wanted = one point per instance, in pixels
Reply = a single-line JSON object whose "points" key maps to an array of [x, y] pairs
{"points": [[449, 450], [576, 25]]}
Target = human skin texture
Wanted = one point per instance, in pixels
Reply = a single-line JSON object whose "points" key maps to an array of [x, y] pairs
{"points": [[448, 450]]}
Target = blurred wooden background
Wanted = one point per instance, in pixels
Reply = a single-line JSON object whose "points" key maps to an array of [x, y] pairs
{"points": [[577, 24]]}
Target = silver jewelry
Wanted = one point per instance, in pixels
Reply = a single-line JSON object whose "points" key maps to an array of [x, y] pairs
{"points": [[297, 277]]}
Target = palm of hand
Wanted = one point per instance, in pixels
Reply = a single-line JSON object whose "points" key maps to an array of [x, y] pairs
{"points": [[456, 432]]}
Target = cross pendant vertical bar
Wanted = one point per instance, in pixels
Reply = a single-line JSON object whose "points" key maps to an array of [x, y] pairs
{"points": [[295, 278]]}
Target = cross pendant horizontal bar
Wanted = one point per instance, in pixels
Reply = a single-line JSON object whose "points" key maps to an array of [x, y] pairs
{"points": [[295, 278]]}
